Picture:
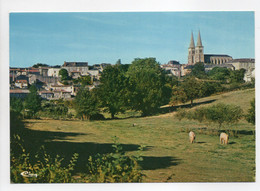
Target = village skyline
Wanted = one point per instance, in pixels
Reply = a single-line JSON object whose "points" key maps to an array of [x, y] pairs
{"points": [[52, 38]]}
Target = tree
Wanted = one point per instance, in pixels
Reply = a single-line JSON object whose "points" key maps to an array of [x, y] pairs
{"points": [[220, 113], [118, 62], [250, 117], [178, 95], [83, 80], [237, 76], [86, 103], [112, 90], [198, 70], [219, 73], [40, 65], [33, 101], [16, 104], [64, 74], [223, 113], [192, 88], [147, 89]]}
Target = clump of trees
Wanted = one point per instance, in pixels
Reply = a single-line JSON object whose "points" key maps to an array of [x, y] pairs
{"points": [[219, 114], [224, 75], [64, 74], [148, 88], [250, 117], [143, 86], [55, 110], [86, 103], [32, 102]]}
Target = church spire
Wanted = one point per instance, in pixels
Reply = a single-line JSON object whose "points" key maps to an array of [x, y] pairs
{"points": [[199, 43], [192, 41]]}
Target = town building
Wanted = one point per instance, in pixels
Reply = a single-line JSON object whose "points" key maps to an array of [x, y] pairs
{"points": [[19, 93], [173, 67], [245, 63], [81, 67], [196, 54]]}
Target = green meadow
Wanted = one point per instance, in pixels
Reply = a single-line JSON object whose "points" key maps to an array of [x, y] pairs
{"points": [[168, 156]]}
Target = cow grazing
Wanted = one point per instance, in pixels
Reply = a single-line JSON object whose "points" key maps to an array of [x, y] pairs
{"points": [[192, 137], [223, 138]]}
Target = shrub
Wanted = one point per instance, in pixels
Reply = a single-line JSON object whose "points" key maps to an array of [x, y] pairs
{"points": [[223, 113], [181, 113], [54, 110], [250, 117], [47, 169], [219, 113], [97, 116], [113, 167], [86, 103]]}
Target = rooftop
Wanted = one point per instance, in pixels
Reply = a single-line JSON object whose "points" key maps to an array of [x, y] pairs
{"points": [[75, 64], [217, 55]]}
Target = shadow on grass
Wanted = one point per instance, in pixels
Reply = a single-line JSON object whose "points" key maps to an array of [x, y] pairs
{"points": [[174, 108], [165, 110], [57, 143], [152, 163], [200, 142], [231, 143]]}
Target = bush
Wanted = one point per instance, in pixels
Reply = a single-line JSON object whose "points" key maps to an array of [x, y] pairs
{"points": [[219, 113], [250, 117], [97, 116], [113, 167], [54, 110], [224, 113], [44, 168], [181, 114]]}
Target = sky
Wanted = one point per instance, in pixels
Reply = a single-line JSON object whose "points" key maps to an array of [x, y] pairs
{"points": [[105, 37]]}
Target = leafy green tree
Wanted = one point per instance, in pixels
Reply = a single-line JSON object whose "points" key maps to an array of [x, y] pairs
{"points": [[85, 80], [209, 88], [223, 113], [192, 88], [112, 90], [16, 104], [178, 95], [237, 76], [86, 104], [118, 62], [33, 101], [64, 74], [219, 73], [40, 64], [250, 117], [147, 89], [198, 70]]}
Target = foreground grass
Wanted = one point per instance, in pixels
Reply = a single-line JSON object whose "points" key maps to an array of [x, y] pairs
{"points": [[168, 156]]}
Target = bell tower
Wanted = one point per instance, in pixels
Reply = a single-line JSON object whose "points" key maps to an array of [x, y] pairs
{"points": [[199, 52], [191, 56]]}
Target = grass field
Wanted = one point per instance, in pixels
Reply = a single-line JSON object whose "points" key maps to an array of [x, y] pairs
{"points": [[168, 156]]}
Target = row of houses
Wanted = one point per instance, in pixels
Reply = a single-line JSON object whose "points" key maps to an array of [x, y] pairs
{"points": [[47, 79], [175, 68]]}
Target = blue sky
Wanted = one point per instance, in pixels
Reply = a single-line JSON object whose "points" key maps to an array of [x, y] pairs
{"points": [[53, 38]]}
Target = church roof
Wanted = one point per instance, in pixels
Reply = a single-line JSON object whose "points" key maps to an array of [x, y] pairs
{"points": [[216, 55], [199, 43], [192, 41], [243, 60]]}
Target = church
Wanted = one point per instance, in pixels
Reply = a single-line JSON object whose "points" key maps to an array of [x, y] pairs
{"points": [[196, 54]]}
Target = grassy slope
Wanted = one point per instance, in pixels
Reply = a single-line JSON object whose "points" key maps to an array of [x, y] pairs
{"points": [[169, 156]]}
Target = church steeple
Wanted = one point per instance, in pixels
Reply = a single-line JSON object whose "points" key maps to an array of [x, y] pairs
{"points": [[199, 52], [192, 41], [199, 43]]}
